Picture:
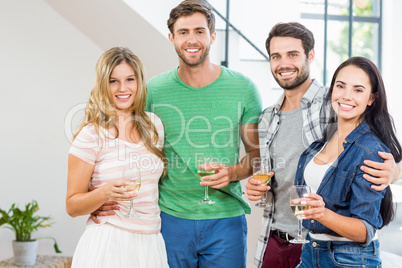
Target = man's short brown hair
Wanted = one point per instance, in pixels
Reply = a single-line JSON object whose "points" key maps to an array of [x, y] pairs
{"points": [[292, 29], [189, 7]]}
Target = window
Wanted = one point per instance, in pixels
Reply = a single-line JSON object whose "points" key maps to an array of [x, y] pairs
{"points": [[346, 28]]}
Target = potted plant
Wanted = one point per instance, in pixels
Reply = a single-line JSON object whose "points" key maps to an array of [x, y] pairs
{"points": [[24, 223]]}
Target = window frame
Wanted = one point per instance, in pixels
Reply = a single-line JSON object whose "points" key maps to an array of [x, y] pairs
{"points": [[351, 19]]}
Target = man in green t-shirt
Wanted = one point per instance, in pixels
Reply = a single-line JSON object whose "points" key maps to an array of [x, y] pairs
{"points": [[207, 110]]}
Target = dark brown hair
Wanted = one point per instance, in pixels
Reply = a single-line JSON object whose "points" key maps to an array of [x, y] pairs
{"points": [[292, 29], [189, 7]]}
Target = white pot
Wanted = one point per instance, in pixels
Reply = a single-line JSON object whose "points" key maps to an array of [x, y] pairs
{"points": [[25, 252]]}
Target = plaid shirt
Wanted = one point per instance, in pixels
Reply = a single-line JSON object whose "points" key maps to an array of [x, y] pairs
{"points": [[316, 117]]}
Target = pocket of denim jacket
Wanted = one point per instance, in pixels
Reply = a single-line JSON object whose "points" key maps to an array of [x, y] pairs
{"points": [[337, 188]]}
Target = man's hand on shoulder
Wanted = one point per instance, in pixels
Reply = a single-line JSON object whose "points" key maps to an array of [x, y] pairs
{"points": [[381, 174]]}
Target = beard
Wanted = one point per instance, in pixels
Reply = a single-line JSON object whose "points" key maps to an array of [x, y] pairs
{"points": [[302, 75], [193, 61]]}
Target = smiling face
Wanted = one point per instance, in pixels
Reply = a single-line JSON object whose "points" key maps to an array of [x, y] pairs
{"points": [[289, 64], [123, 88], [351, 93], [192, 39]]}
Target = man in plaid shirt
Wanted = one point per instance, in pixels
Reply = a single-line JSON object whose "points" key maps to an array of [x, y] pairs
{"points": [[286, 129]]}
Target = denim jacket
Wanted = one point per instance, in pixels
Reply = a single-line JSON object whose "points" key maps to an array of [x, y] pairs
{"points": [[343, 188]]}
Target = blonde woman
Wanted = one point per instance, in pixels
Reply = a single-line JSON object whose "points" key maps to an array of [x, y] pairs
{"points": [[117, 134]]}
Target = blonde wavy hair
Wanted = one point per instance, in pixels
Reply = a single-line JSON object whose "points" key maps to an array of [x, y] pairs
{"points": [[100, 110]]}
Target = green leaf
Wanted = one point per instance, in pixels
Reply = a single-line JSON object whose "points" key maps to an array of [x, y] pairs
{"points": [[56, 247]]}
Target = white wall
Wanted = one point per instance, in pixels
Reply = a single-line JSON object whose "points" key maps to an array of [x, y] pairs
{"points": [[47, 66], [392, 40]]}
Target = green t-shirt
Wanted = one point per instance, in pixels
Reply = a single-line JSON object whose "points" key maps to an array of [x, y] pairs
{"points": [[202, 121]]}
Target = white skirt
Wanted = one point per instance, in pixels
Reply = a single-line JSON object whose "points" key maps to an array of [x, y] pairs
{"points": [[106, 246]]}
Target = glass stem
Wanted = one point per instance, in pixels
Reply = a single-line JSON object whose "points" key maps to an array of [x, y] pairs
{"points": [[264, 198], [131, 206], [300, 229], [206, 193]]}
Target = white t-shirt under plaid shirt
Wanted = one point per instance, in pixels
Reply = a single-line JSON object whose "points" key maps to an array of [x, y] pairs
{"points": [[316, 117]]}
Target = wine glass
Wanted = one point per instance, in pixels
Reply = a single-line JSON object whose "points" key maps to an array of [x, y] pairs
{"points": [[297, 193], [133, 177], [261, 172], [201, 172]]}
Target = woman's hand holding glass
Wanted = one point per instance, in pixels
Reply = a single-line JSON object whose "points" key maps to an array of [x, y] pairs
{"points": [[316, 206], [115, 191], [298, 204], [132, 178]]}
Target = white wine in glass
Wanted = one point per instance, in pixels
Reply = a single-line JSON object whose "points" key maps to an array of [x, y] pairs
{"points": [[136, 184], [296, 208], [202, 173], [297, 193], [133, 177], [261, 172]]}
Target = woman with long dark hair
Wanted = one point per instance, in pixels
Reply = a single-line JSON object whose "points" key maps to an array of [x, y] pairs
{"points": [[345, 211]]}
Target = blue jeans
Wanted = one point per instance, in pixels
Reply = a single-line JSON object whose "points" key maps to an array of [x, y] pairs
{"points": [[205, 243], [340, 254]]}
